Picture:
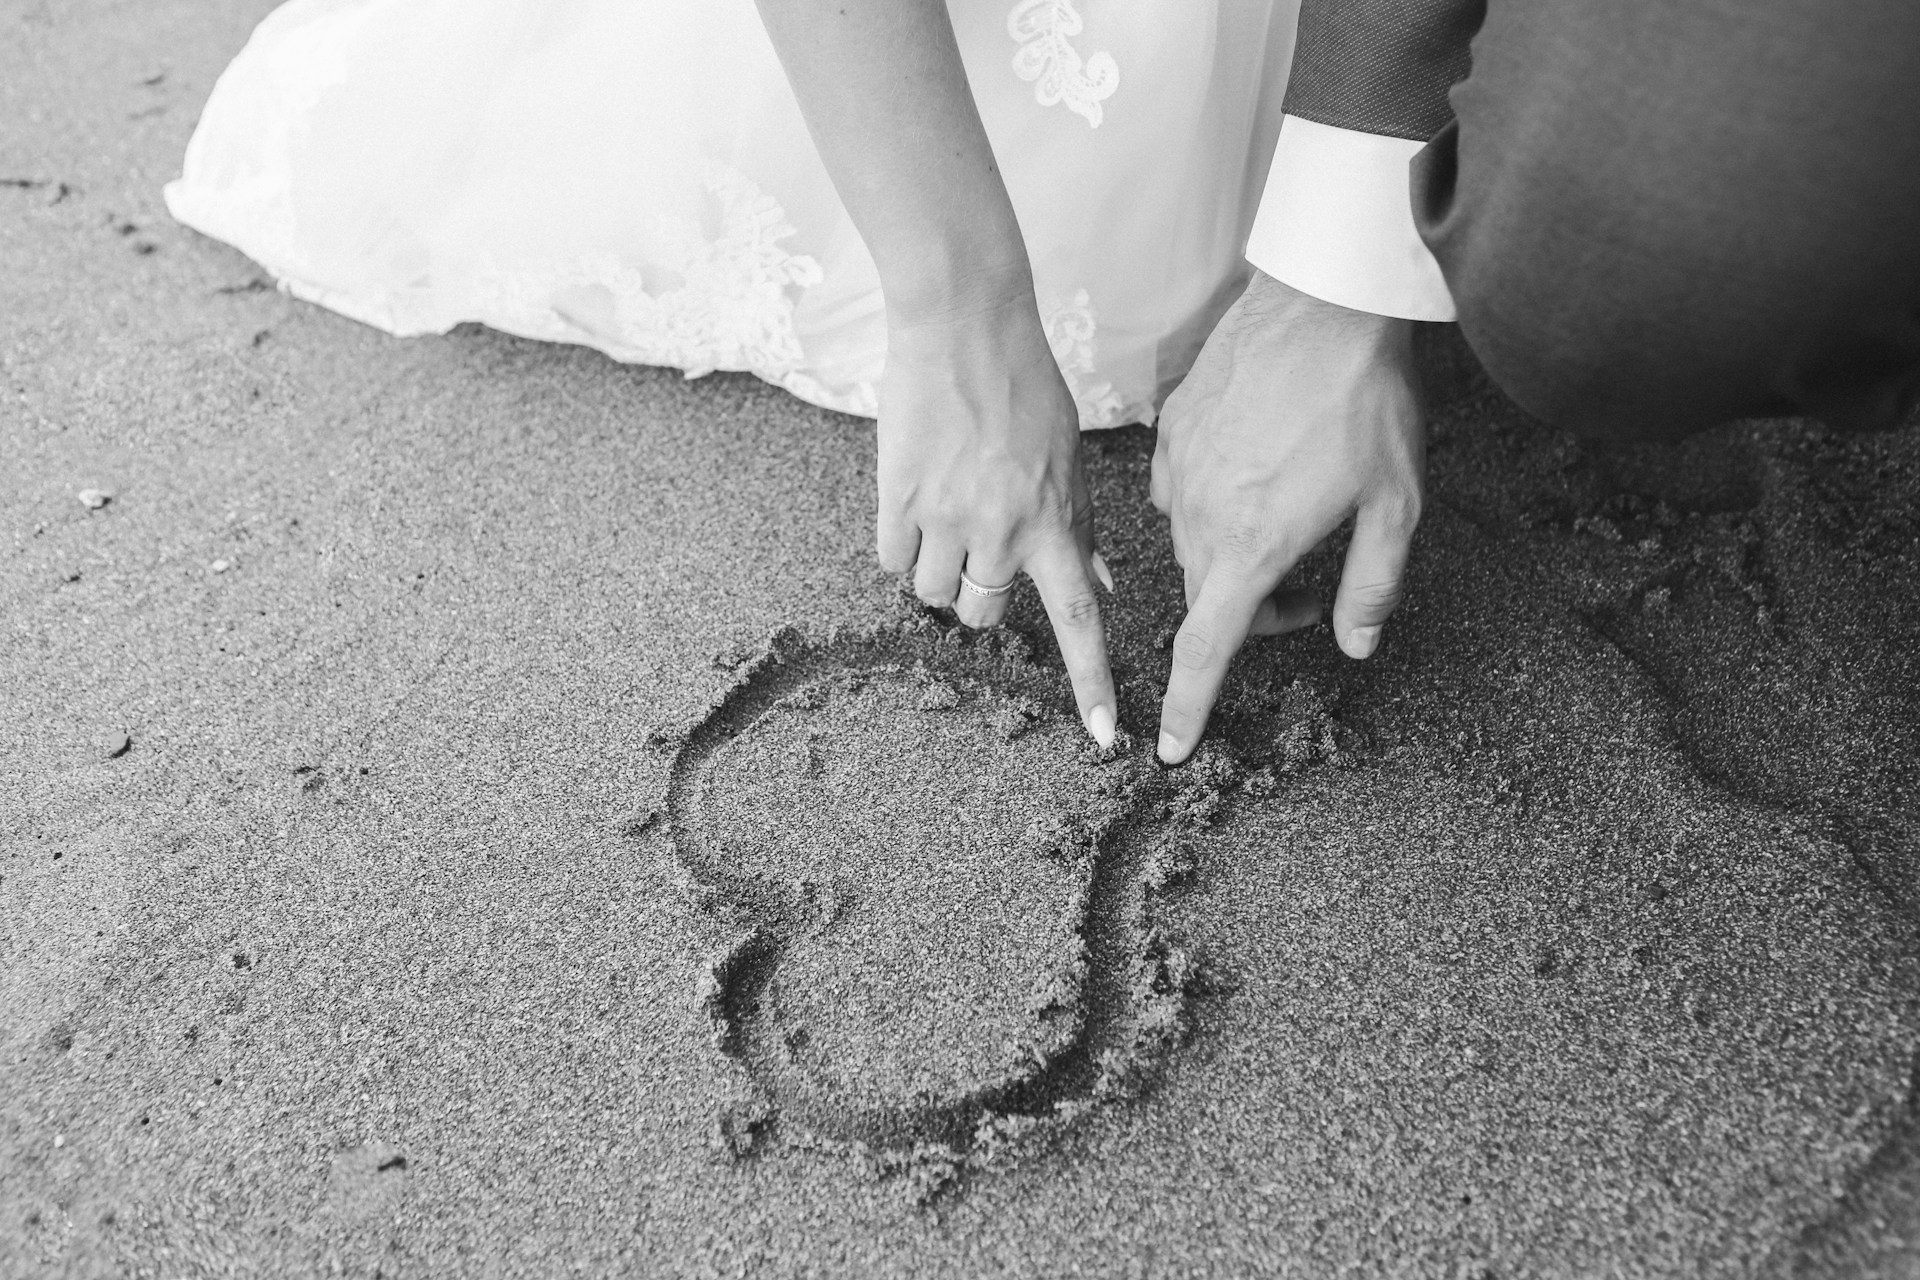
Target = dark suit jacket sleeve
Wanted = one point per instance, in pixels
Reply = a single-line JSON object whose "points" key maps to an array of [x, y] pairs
{"points": [[1381, 66]]}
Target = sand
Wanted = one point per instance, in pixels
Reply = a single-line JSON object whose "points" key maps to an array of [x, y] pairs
{"points": [[468, 807]]}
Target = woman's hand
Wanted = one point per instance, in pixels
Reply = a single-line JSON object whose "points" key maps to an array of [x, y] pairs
{"points": [[979, 439], [1297, 414], [980, 471]]}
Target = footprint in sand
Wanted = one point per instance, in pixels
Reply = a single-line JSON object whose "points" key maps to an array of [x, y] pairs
{"points": [[942, 892], [1778, 630]]}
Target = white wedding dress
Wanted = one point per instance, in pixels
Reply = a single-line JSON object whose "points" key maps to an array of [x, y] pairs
{"points": [[635, 175]]}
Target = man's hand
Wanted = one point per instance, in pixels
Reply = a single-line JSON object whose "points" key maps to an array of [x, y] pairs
{"points": [[1297, 414]]}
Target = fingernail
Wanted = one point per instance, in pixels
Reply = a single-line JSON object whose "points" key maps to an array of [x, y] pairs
{"points": [[1362, 641], [1100, 725], [1169, 747], [1103, 573]]}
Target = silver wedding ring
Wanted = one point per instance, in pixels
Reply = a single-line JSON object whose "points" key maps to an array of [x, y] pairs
{"points": [[977, 589]]}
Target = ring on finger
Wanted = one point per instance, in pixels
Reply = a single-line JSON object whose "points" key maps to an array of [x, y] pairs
{"points": [[983, 591]]}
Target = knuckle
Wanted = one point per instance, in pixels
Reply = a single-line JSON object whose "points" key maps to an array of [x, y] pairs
{"points": [[1242, 543], [1079, 608], [948, 514], [1194, 648], [1375, 598], [1401, 509], [1054, 521], [895, 543]]}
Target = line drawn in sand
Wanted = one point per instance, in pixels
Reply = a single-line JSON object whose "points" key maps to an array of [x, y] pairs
{"points": [[850, 743]]}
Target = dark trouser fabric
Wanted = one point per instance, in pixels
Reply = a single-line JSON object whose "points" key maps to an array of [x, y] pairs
{"points": [[1655, 215]]}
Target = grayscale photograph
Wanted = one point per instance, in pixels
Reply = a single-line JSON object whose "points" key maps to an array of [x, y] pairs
{"points": [[960, 639]]}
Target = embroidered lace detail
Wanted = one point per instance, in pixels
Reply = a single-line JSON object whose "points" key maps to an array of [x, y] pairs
{"points": [[1053, 65], [1073, 334], [702, 304]]}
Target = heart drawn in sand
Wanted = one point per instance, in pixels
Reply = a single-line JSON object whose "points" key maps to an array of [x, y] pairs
{"points": [[942, 892]]}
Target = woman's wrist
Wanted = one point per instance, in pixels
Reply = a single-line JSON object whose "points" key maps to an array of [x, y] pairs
{"points": [[948, 282]]}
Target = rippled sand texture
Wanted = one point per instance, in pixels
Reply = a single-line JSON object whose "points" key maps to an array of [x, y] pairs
{"points": [[545, 842]]}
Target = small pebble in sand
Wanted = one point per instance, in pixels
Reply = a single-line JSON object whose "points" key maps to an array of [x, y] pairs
{"points": [[806, 756], [1014, 719], [1170, 862], [94, 499], [737, 1130], [1599, 527], [810, 698], [115, 744], [734, 655], [939, 696], [221, 566], [59, 1140]]}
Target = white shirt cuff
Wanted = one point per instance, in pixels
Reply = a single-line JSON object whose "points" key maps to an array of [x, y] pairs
{"points": [[1336, 221]]}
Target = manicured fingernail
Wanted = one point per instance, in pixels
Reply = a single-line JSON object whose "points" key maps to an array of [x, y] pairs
{"points": [[1169, 747], [1103, 573], [1100, 725], [1362, 641]]}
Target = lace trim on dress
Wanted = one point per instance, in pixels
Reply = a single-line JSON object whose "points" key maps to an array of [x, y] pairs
{"points": [[1053, 65], [1073, 334], [700, 305]]}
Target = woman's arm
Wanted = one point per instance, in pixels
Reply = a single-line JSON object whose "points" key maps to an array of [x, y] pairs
{"points": [[979, 440], [885, 97]]}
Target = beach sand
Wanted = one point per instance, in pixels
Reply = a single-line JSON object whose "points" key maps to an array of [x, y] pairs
{"points": [[469, 807]]}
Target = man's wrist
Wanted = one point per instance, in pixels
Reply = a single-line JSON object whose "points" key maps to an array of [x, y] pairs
{"points": [[1336, 220], [1274, 302]]}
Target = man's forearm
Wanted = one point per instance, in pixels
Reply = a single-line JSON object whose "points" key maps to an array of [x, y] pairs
{"points": [[1381, 66], [1367, 89], [885, 96], [1335, 221]]}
